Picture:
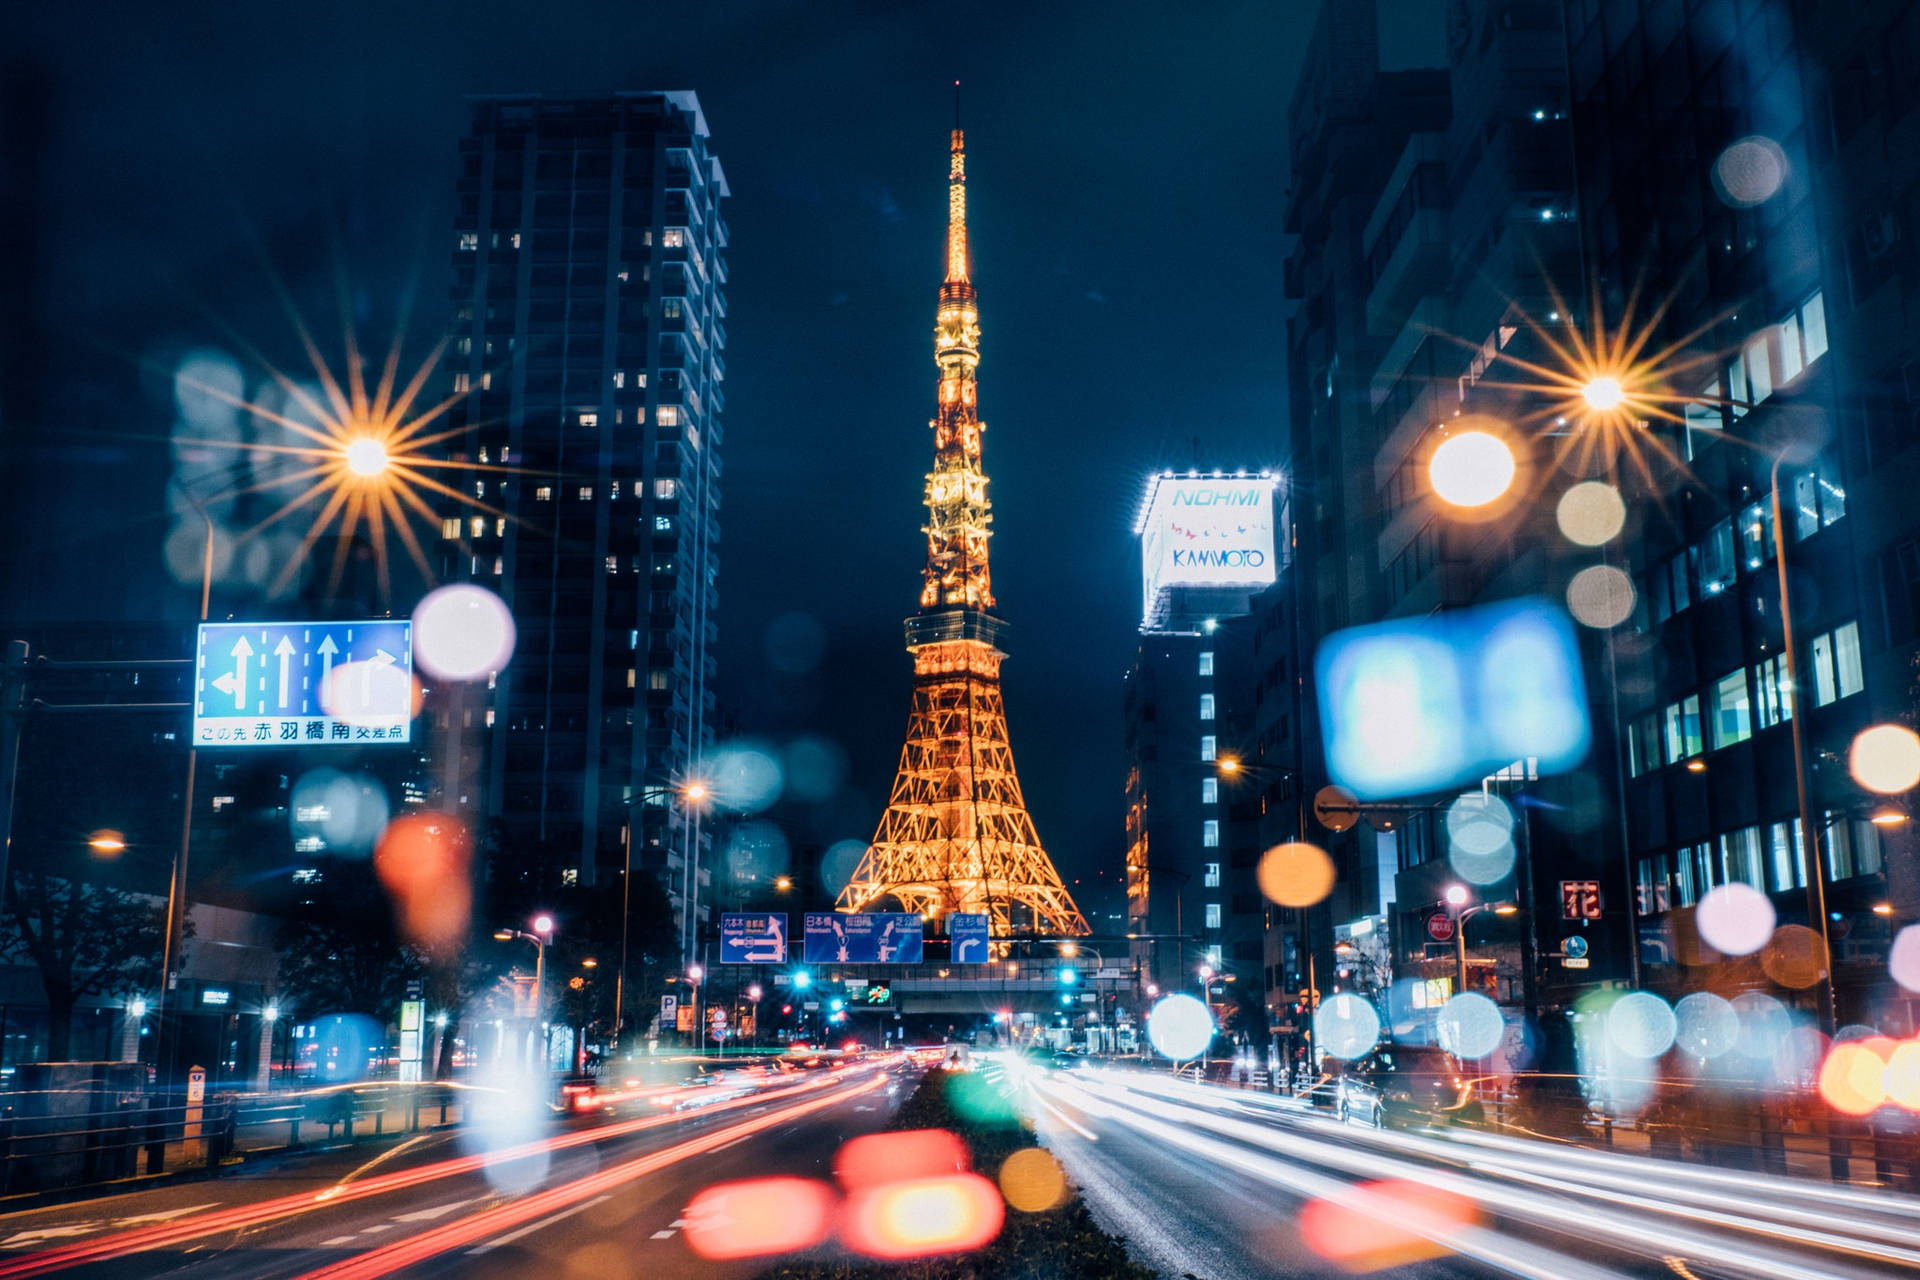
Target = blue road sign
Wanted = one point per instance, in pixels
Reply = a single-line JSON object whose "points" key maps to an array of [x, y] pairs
{"points": [[969, 933], [759, 938], [881, 937], [303, 684]]}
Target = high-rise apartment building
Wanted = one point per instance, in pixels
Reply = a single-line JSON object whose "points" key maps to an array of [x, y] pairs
{"points": [[586, 346]]}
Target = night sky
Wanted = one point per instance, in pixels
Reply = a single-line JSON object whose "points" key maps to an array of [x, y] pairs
{"points": [[1127, 178]]}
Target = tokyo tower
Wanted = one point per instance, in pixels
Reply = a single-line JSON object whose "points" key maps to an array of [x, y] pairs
{"points": [[956, 835]]}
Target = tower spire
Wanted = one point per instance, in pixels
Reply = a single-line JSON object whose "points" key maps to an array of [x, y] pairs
{"points": [[956, 835]]}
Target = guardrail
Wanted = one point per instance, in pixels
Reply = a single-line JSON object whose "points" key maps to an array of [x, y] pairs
{"points": [[51, 1139]]}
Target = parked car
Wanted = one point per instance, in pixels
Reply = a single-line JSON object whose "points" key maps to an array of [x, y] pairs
{"points": [[1401, 1084]]}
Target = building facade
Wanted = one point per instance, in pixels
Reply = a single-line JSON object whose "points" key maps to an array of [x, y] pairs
{"points": [[586, 350]]}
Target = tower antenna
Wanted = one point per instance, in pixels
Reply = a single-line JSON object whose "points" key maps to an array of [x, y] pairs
{"points": [[956, 104]]}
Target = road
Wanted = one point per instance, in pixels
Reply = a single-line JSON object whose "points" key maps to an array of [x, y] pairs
{"points": [[1227, 1184], [600, 1195]]}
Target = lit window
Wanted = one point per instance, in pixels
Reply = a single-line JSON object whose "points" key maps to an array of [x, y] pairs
{"points": [[619, 378], [1206, 662], [461, 381], [1774, 705], [1846, 660], [499, 566], [613, 564], [1682, 730], [450, 528], [630, 673], [1213, 956], [543, 494], [1209, 791], [1715, 559], [666, 490], [1210, 834], [1212, 877], [673, 238], [663, 524], [221, 802], [693, 437], [1206, 706], [660, 678], [478, 525], [672, 308], [499, 526], [569, 876], [469, 241], [1788, 332], [1730, 709], [589, 419], [1813, 326], [1213, 915], [586, 493], [669, 416], [1206, 747], [633, 639], [489, 717], [1756, 535], [640, 378]]}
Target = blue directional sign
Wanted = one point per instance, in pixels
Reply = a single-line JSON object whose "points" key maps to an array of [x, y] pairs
{"points": [[882, 937], [969, 933], [757, 938], [312, 684]]}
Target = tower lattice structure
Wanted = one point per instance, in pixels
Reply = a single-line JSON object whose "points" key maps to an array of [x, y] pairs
{"points": [[956, 835]]}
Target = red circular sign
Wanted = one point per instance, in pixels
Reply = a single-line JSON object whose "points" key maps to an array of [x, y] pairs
{"points": [[1440, 927]]}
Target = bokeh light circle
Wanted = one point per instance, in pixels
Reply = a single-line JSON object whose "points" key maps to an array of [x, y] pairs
{"points": [[1706, 1025], [1471, 469], [462, 632], [1345, 1026], [1641, 1025], [1032, 1180], [1903, 958], [1295, 874], [347, 815], [1469, 1026], [1735, 919], [744, 776], [366, 456], [1764, 1022], [1903, 1076], [1794, 956], [1853, 1079], [838, 864], [1180, 1027], [1480, 838], [1591, 513], [1885, 758], [1750, 172], [1601, 596]]}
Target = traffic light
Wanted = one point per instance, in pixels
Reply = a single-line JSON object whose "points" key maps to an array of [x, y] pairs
{"points": [[802, 979], [1069, 975], [837, 1004]]}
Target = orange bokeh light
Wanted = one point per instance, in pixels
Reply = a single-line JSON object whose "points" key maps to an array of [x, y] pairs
{"points": [[424, 860], [758, 1217], [1385, 1224], [1853, 1079], [920, 1217], [1902, 1076], [874, 1159]]}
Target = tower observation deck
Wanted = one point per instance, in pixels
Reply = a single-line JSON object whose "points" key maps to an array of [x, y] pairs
{"points": [[956, 836]]}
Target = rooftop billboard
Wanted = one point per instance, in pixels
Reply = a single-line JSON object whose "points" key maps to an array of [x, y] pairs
{"points": [[1206, 531]]}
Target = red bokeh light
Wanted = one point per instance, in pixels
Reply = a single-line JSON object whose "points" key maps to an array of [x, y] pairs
{"points": [[920, 1217], [878, 1158], [425, 861], [1384, 1224], [757, 1217]]}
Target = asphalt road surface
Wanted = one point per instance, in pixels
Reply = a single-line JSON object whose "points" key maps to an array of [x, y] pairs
{"points": [[1226, 1184], [597, 1196]]}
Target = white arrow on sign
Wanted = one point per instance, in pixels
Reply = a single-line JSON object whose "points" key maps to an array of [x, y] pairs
{"points": [[327, 649], [241, 652], [225, 683], [379, 662], [284, 652]]}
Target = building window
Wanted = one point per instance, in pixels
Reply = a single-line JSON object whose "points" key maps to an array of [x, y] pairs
{"points": [[1212, 877], [1716, 559], [630, 674], [1210, 834], [663, 524], [1206, 747], [1756, 534], [1740, 858], [450, 528], [613, 564], [672, 309], [543, 494], [462, 381], [589, 419], [478, 526], [469, 241], [1784, 862], [1682, 730], [1213, 956], [1213, 915], [660, 678], [1773, 702], [499, 566], [1206, 706], [1836, 665], [569, 876], [1730, 709], [669, 416], [1853, 846], [1206, 662], [1209, 791], [673, 238], [586, 493], [666, 490]]}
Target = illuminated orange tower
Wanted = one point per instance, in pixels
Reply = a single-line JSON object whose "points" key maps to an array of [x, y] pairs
{"points": [[956, 835]]}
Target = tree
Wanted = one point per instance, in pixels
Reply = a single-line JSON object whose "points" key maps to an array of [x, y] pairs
{"points": [[86, 939], [341, 953]]}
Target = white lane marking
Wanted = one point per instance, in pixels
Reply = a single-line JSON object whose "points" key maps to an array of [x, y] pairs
{"points": [[337, 1241], [65, 1230], [50, 1233], [164, 1215], [663, 1235], [532, 1227], [376, 1229], [438, 1211], [678, 1222], [736, 1142]]}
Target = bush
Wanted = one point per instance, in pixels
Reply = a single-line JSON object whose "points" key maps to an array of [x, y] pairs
{"points": [[1063, 1243]]}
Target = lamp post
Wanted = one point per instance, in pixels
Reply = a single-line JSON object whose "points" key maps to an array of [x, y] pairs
{"points": [[541, 937], [1456, 896]]}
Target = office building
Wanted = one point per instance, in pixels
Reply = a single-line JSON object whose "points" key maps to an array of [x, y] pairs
{"points": [[587, 348]]}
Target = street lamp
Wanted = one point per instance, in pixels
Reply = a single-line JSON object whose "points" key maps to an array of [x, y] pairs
{"points": [[1471, 469], [1456, 896], [691, 791], [541, 936]]}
